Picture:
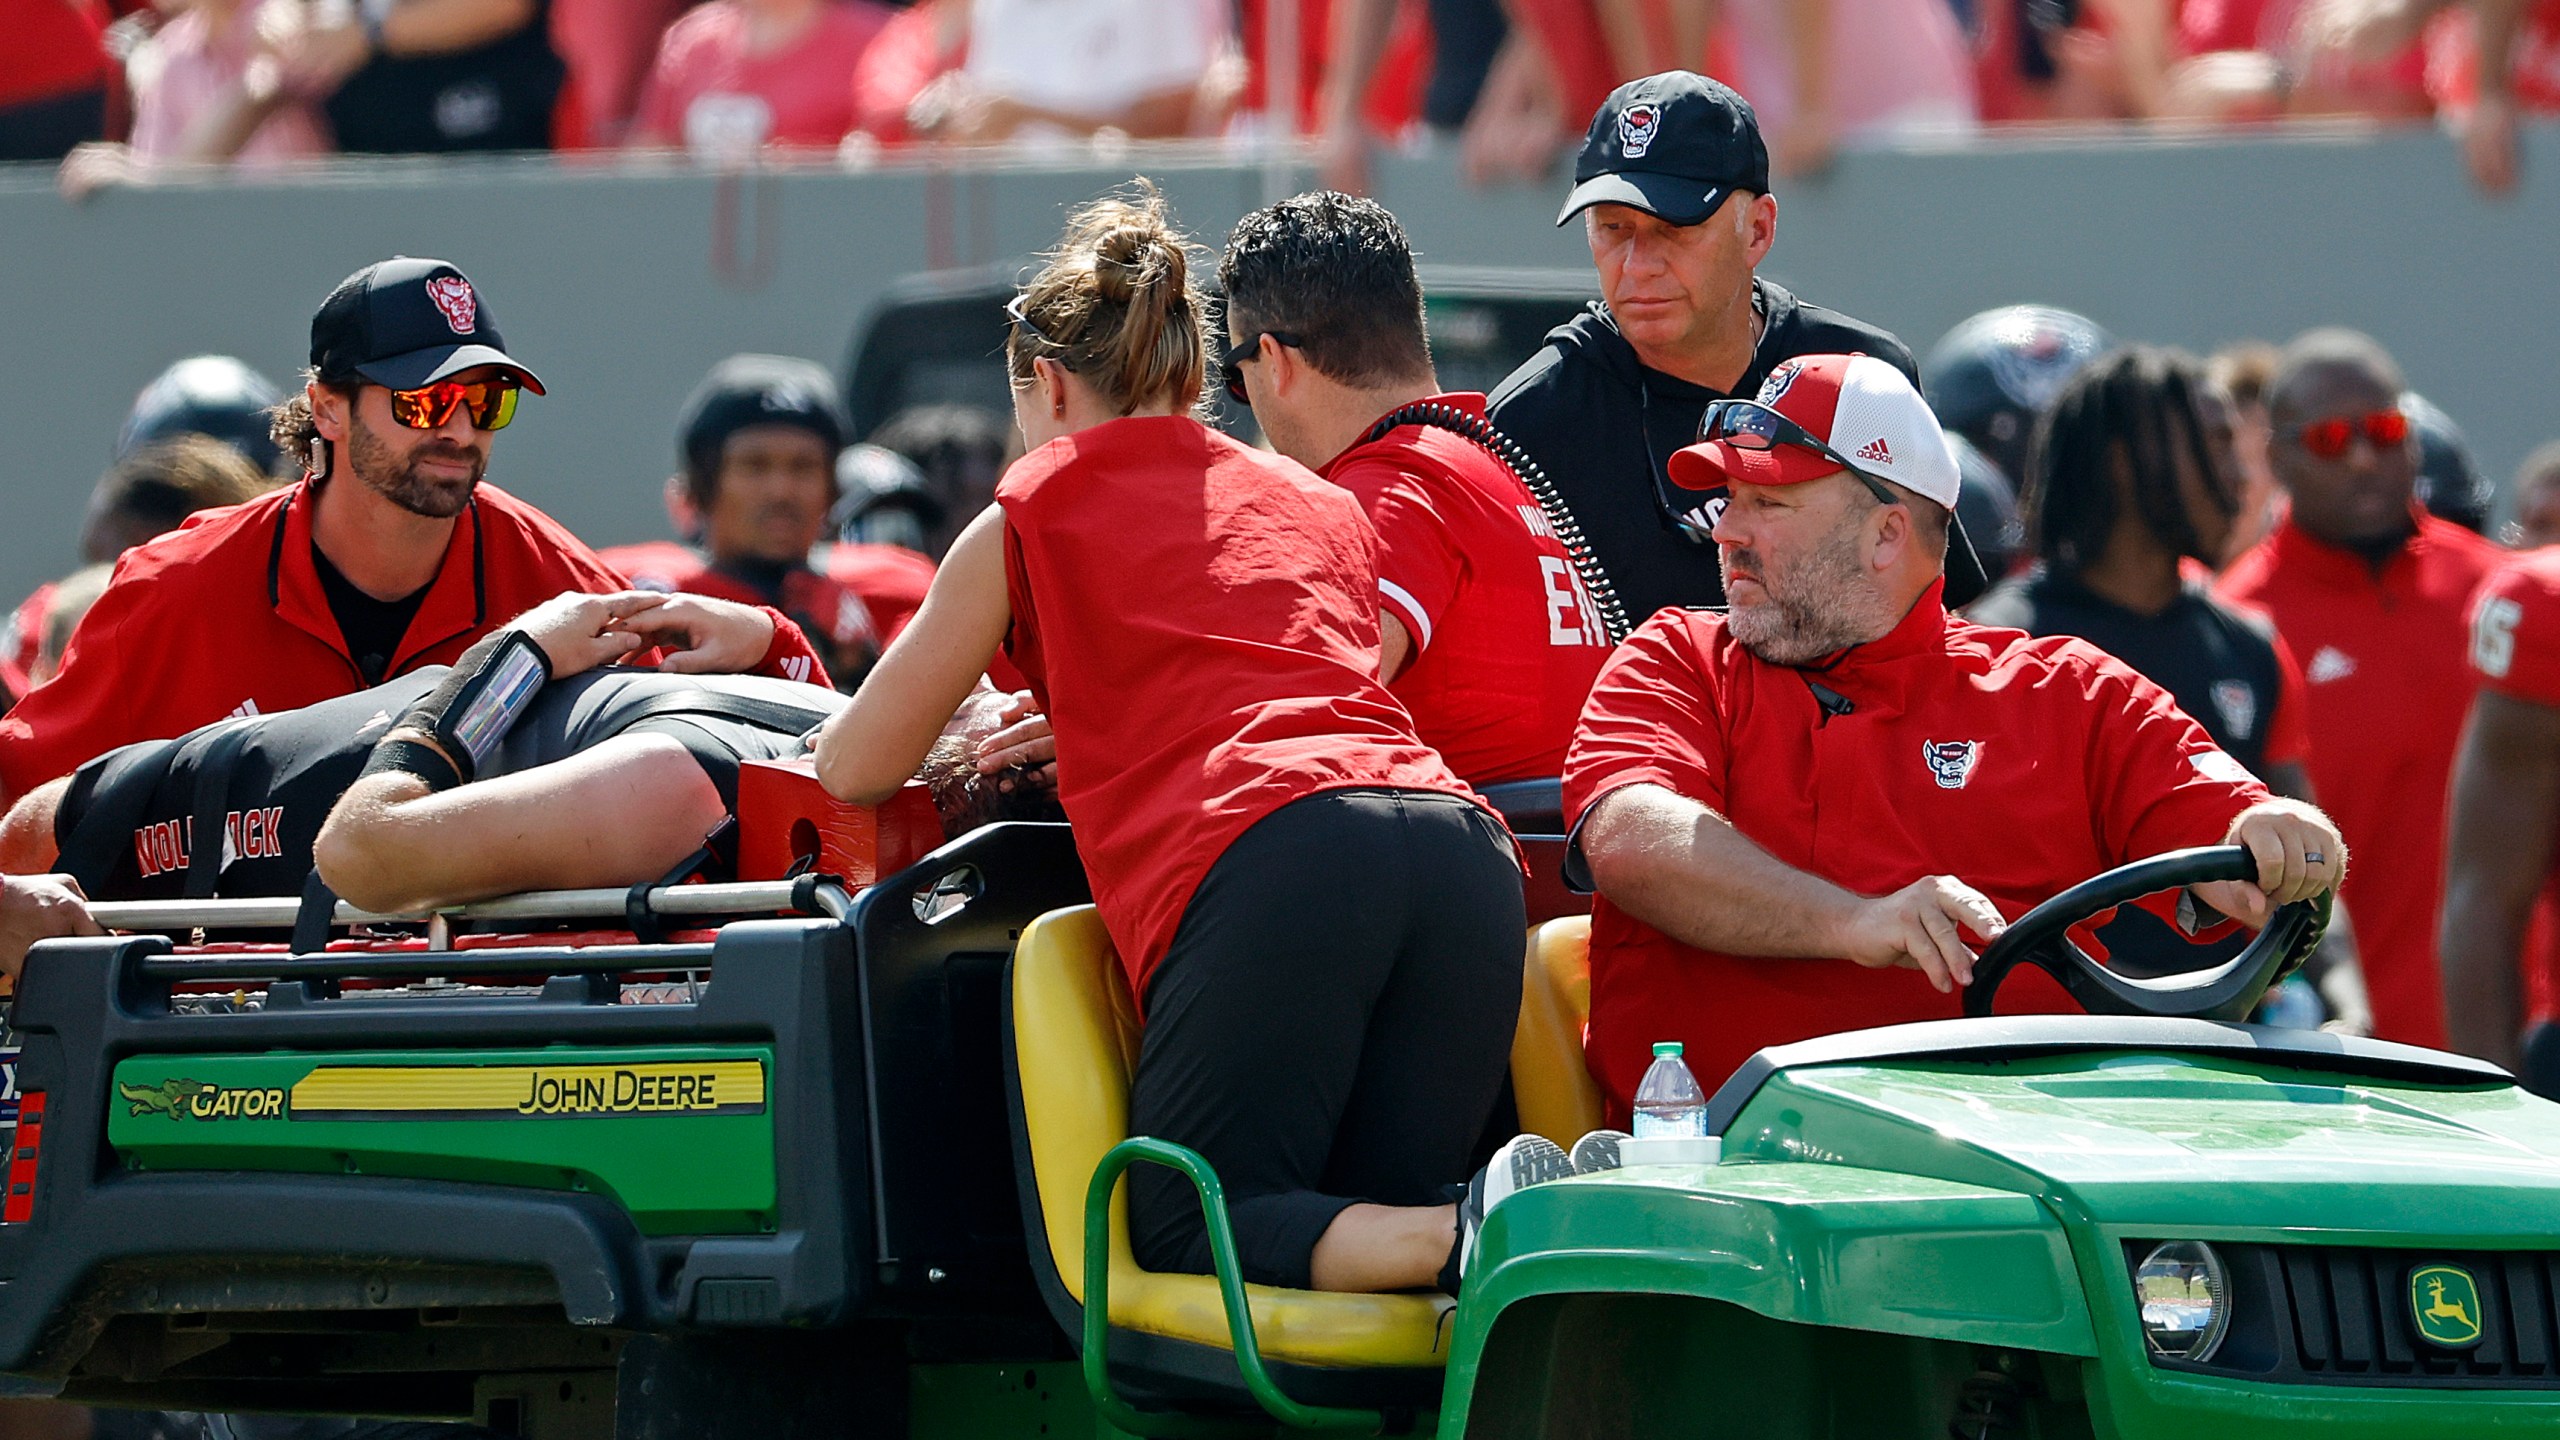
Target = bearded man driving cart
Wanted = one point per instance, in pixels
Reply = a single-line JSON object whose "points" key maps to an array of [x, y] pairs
{"points": [[1838, 769]]}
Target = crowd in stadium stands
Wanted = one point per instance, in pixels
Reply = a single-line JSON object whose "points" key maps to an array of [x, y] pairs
{"points": [[120, 86]]}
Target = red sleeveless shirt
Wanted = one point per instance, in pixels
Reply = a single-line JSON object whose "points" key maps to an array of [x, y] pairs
{"points": [[1199, 620]]}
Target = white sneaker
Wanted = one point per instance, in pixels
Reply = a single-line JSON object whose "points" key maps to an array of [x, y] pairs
{"points": [[1597, 1151], [1523, 1161]]}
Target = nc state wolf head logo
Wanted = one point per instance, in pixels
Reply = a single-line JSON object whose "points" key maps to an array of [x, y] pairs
{"points": [[2238, 704], [1951, 761], [453, 296], [1780, 380], [1637, 125]]}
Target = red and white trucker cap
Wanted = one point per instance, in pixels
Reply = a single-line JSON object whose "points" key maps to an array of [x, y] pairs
{"points": [[1861, 407]]}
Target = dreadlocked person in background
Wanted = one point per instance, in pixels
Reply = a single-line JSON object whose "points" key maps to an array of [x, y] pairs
{"points": [[2123, 487], [1199, 621]]}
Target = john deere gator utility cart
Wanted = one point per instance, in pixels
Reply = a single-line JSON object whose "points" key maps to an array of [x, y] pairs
{"points": [[793, 1157]]}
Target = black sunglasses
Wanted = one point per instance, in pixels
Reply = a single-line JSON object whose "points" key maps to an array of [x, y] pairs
{"points": [[1750, 425], [1745, 425], [1231, 370]]}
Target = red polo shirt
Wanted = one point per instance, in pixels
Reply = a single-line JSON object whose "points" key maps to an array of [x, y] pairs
{"points": [[1199, 620], [2019, 766], [225, 615], [1505, 642], [2387, 690]]}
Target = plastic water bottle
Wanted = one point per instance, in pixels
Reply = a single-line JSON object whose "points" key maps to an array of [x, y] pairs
{"points": [[1669, 1102], [2293, 1005]]}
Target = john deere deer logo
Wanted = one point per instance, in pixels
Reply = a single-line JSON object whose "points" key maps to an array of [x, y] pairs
{"points": [[2446, 1303]]}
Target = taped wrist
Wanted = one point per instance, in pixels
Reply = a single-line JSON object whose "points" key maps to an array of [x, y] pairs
{"points": [[414, 758], [482, 697]]}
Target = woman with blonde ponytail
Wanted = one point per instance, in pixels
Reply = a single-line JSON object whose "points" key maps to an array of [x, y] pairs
{"points": [[1321, 924]]}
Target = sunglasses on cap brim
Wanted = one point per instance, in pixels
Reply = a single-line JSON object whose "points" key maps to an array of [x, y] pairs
{"points": [[1750, 425]]}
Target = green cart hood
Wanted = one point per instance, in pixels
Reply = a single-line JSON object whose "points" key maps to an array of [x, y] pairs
{"points": [[2181, 1141]]}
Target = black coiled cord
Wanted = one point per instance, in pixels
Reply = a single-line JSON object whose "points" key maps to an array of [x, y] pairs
{"points": [[1506, 451]]}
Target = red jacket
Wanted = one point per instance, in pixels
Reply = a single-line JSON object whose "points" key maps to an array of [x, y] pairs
{"points": [[225, 615]]}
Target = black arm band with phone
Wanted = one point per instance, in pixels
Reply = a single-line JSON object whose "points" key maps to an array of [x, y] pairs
{"points": [[482, 697]]}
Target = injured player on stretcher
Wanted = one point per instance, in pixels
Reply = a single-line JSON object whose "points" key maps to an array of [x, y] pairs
{"points": [[532, 764]]}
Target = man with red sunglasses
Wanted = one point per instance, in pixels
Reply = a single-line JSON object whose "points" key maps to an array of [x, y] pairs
{"points": [[389, 554], [2371, 594], [1837, 770]]}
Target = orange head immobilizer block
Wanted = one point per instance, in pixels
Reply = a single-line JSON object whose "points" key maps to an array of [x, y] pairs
{"points": [[787, 822]]}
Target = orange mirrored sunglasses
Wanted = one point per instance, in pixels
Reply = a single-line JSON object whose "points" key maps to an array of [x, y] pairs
{"points": [[492, 403]]}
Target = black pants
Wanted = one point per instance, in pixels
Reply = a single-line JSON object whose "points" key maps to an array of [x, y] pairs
{"points": [[1331, 1024]]}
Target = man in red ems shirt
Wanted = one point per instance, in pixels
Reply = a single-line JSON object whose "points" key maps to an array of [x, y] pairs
{"points": [[1839, 770], [389, 554], [2371, 593], [1488, 636]]}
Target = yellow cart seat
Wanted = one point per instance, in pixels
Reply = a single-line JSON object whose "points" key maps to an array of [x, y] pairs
{"points": [[1072, 1041], [1549, 1081]]}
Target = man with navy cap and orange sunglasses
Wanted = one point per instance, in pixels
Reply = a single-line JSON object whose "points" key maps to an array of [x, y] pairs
{"points": [[391, 553]]}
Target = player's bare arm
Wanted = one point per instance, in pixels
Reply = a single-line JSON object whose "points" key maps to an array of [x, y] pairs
{"points": [[411, 834], [2498, 844], [1683, 869], [871, 746]]}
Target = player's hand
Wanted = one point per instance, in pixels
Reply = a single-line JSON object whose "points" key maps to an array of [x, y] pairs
{"points": [[2299, 855], [578, 632], [1023, 739], [39, 907], [1922, 927], [704, 636]]}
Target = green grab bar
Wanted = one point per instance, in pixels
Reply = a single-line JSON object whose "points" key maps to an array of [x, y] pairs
{"points": [[1222, 1251]]}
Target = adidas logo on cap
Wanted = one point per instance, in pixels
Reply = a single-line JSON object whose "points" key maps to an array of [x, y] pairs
{"points": [[1877, 451]]}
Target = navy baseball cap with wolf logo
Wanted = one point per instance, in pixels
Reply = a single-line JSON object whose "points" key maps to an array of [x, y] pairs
{"points": [[406, 323], [1673, 145]]}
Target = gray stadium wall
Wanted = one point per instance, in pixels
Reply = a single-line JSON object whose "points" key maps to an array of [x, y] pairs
{"points": [[622, 283]]}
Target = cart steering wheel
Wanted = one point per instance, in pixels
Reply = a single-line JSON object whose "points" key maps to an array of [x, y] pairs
{"points": [[2228, 991]]}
